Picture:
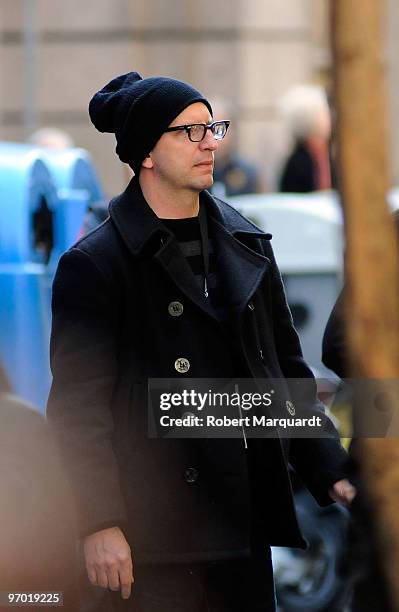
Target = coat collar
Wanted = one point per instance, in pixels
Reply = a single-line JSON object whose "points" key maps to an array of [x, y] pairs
{"points": [[138, 224], [240, 266]]}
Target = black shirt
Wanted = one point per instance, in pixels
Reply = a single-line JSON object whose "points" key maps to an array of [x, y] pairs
{"points": [[188, 235]]}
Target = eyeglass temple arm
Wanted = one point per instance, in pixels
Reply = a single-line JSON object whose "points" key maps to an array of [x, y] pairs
{"points": [[177, 127]]}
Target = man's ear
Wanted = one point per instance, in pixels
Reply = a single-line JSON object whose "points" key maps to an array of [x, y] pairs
{"points": [[147, 162]]}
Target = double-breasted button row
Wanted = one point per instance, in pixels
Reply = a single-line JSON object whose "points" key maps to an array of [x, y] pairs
{"points": [[175, 309], [191, 475], [182, 364]]}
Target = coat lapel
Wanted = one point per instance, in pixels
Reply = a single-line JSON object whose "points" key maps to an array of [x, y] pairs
{"points": [[240, 268], [175, 265]]}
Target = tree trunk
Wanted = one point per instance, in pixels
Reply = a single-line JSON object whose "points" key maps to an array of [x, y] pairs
{"points": [[372, 272]]}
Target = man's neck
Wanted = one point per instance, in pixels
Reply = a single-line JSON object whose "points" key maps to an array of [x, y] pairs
{"points": [[170, 203]]}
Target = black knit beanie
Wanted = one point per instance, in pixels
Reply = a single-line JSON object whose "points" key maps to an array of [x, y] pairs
{"points": [[139, 110]]}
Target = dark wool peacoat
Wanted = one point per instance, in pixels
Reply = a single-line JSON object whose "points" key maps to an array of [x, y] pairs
{"points": [[113, 329]]}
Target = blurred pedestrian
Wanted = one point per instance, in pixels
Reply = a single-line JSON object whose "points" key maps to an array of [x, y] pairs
{"points": [[362, 562], [51, 138], [233, 174], [37, 529], [307, 115]]}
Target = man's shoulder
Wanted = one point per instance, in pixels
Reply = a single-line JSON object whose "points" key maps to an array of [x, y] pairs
{"points": [[101, 249], [235, 221], [101, 243]]}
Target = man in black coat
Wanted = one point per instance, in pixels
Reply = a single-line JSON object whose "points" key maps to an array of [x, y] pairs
{"points": [[177, 284]]}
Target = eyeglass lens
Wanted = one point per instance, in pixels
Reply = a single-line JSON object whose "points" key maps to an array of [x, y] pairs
{"points": [[197, 132], [219, 130]]}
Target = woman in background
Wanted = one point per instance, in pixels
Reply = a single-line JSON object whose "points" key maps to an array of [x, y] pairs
{"points": [[308, 118]]}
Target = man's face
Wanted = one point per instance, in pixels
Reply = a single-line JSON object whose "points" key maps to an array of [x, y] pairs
{"points": [[179, 163]]}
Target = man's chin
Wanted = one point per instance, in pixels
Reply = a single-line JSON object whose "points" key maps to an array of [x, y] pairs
{"points": [[201, 183], [207, 182]]}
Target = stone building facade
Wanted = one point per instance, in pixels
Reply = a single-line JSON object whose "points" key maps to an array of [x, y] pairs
{"points": [[247, 51]]}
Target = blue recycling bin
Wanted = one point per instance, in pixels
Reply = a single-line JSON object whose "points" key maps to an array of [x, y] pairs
{"points": [[77, 187], [28, 204], [73, 169], [28, 200], [43, 200]]}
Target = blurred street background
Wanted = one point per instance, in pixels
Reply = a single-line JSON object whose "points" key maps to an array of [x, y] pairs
{"points": [[267, 66], [54, 55]]}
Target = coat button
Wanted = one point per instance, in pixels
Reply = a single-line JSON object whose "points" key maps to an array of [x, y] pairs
{"points": [[290, 407], [191, 475], [251, 306], [182, 365], [175, 309]]}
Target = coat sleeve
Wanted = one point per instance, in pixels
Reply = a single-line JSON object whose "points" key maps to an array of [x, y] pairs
{"points": [[83, 363], [320, 462]]}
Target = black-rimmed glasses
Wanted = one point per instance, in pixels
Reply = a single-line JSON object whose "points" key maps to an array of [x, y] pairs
{"points": [[197, 131]]}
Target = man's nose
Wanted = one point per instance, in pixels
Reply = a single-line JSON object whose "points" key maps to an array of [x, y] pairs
{"points": [[209, 142]]}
